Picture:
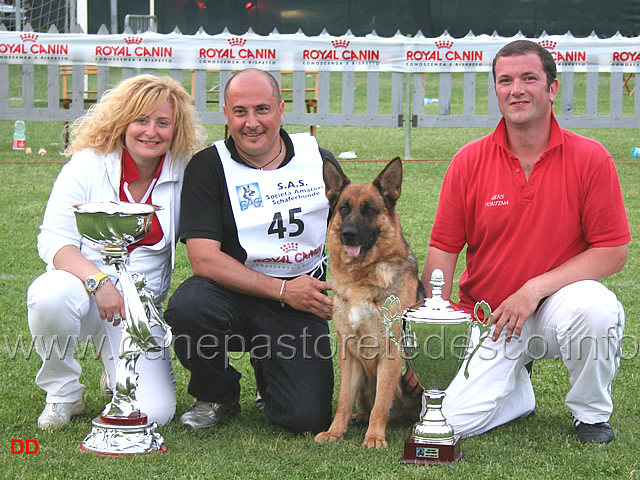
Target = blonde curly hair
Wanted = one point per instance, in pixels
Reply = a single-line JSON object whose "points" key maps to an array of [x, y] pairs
{"points": [[103, 127]]}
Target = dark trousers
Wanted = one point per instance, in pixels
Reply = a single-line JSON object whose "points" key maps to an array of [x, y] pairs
{"points": [[290, 351]]}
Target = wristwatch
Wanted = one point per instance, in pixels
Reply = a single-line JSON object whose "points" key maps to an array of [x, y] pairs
{"points": [[94, 282]]}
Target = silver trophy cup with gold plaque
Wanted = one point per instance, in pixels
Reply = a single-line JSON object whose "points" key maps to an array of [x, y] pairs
{"points": [[436, 341], [122, 429]]}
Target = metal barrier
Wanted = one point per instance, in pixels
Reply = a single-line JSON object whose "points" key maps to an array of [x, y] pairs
{"points": [[140, 23]]}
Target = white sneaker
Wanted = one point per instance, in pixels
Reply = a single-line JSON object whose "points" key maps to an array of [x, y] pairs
{"points": [[55, 415]]}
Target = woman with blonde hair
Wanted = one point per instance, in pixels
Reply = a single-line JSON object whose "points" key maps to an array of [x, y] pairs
{"points": [[132, 146]]}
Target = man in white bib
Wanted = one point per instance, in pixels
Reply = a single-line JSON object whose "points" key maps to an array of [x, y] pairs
{"points": [[254, 219]]}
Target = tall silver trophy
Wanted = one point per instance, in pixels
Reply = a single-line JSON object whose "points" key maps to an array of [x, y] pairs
{"points": [[122, 429], [436, 343]]}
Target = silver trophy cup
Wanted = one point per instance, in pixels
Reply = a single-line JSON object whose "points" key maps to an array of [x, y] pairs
{"points": [[435, 345], [122, 429]]}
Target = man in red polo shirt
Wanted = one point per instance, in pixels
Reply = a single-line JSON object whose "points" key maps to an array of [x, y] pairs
{"points": [[541, 213]]}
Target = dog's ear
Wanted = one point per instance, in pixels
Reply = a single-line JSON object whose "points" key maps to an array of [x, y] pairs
{"points": [[334, 181], [389, 182]]}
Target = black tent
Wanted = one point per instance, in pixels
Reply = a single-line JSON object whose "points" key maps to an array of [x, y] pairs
{"points": [[361, 17]]}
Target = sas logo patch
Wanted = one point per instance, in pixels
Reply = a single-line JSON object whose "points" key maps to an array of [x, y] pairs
{"points": [[249, 196]]}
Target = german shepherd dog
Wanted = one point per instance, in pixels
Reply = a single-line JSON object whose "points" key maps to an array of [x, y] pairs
{"points": [[370, 260]]}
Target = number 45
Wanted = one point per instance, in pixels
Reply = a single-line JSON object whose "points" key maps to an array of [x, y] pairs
{"points": [[278, 227]]}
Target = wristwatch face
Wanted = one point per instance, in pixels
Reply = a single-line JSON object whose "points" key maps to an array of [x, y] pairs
{"points": [[91, 283]]}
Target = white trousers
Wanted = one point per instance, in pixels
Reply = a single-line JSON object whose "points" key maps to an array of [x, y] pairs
{"points": [[60, 314], [582, 324]]}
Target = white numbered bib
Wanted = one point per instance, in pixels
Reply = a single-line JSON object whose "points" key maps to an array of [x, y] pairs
{"points": [[281, 215]]}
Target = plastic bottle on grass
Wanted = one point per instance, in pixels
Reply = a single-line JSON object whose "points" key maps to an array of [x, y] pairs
{"points": [[19, 135]]}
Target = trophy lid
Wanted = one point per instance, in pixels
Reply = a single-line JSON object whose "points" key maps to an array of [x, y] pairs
{"points": [[436, 308]]}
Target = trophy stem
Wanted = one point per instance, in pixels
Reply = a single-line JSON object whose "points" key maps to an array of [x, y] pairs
{"points": [[122, 429], [433, 441], [434, 427], [124, 405]]}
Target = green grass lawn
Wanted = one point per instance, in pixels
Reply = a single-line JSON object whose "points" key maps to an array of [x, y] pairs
{"points": [[541, 447]]}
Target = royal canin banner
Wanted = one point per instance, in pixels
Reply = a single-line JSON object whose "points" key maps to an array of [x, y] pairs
{"points": [[324, 52]]}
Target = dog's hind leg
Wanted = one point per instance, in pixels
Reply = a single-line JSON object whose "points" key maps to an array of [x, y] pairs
{"points": [[364, 402]]}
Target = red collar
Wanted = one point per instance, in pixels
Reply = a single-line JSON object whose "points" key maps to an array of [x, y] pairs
{"points": [[130, 174], [555, 137], [130, 171]]}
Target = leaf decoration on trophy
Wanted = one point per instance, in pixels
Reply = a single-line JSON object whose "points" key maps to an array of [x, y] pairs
{"points": [[391, 313], [483, 325]]}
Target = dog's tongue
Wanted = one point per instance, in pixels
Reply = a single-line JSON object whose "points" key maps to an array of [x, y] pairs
{"points": [[352, 250]]}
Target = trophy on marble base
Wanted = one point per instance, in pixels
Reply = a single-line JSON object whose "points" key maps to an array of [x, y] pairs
{"points": [[435, 345], [122, 429]]}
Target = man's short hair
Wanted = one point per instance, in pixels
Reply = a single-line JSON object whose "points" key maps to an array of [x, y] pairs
{"points": [[275, 88], [522, 47]]}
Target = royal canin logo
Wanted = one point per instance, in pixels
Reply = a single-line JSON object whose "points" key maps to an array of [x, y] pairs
{"points": [[563, 57], [133, 40], [237, 50], [340, 43], [289, 247], [444, 44], [341, 52], [133, 49], [290, 257], [548, 44], [237, 42], [29, 37], [29, 46], [444, 53], [625, 57]]}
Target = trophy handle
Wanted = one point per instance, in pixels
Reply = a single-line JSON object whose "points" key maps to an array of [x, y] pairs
{"points": [[483, 325], [391, 313], [153, 315], [141, 313]]}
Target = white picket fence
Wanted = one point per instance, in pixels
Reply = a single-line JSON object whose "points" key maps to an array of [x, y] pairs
{"points": [[593, 99]]}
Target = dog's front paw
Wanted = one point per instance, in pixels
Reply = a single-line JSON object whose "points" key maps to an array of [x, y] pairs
{"points": [[325, 437], [375, 442]]}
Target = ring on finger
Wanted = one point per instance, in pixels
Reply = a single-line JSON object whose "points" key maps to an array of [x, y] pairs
{"points": [[117, 317]]}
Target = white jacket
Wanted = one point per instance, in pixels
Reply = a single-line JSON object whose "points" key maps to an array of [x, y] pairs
{"points": [[93, 177]]}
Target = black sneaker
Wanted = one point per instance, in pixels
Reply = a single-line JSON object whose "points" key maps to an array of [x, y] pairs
{"points": [[593, 433]]}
